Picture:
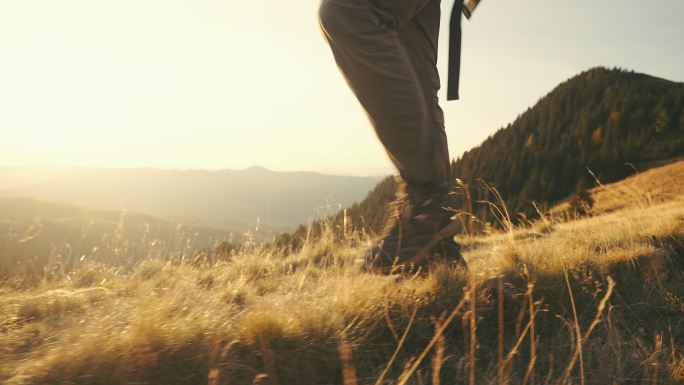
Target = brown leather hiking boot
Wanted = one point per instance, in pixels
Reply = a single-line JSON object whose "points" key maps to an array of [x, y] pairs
{"points": [[423, 223], [448, 251], [398, 217]]}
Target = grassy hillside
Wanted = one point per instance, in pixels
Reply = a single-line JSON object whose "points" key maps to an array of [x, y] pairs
{"points": [[640, 190], [599, 300], [37, 235]]}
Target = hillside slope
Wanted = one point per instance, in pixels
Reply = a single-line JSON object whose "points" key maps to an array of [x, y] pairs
{"points": [[45, 234], [643, 189]]}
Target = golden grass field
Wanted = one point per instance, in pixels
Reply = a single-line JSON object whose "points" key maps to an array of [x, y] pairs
{"points": [[596, 300]]}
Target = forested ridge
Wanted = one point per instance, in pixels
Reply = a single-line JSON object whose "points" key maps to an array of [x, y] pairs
{"points": [[600, 120], [607, 121]]}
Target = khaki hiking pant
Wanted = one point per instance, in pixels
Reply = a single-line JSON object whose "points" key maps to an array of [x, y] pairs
{"points": [[387, 52]]}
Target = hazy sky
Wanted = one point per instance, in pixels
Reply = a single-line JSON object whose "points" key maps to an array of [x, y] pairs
{"points": [[230, 84]]}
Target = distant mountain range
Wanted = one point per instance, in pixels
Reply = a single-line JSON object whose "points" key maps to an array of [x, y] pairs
{"points": [[24, 175], [229, 200]]}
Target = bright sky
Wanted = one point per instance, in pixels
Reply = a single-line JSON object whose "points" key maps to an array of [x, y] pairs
{"points": [[229, 84]]}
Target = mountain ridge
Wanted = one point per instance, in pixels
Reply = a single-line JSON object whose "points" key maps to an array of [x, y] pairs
{"points": [[278, 200], [600, 119]]}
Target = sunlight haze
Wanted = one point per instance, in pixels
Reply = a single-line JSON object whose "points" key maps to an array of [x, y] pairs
{"points": [[231, 84]]}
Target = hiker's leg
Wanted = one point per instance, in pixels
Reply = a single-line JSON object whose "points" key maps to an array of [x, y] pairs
{"points": [[420, 36], [365, 39]]}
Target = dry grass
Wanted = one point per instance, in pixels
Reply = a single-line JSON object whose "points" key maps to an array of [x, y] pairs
{"points": [[593, 301], [642, 190]]}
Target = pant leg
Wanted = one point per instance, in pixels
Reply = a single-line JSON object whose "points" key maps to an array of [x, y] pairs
{"points": [[365, 41], [420, 37]]}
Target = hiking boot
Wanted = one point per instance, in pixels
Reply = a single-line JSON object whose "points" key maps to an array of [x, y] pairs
{"points": [[398, 217], [429, 221], [448, 251]]}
